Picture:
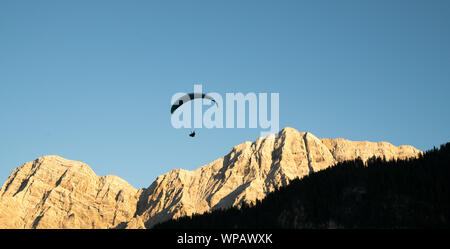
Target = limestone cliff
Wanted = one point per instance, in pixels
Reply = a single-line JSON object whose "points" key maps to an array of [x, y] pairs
{"points": [[53, 192], [249, 172]]}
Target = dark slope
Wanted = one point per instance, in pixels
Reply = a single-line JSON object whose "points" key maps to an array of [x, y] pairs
{"points": [[379, 194]]}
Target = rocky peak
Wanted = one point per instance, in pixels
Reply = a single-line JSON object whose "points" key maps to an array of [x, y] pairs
{"points": [[53, 192], [249, 172]]}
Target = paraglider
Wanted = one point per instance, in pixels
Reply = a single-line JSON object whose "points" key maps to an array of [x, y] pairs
{"points": [[188, 97]]}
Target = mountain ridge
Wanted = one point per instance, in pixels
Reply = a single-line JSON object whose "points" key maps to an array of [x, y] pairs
{"points": [[378, 193], [53, 192]]}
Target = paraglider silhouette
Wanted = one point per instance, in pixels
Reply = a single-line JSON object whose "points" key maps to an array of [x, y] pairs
{"points": [[188, 97]]}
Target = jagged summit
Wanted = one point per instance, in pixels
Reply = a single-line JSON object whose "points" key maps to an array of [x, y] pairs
{"points": [[248, 172], [61, 161], [53, 192]]}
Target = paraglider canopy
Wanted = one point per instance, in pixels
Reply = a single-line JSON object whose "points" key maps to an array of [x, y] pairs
{"points": [[188, 97]]}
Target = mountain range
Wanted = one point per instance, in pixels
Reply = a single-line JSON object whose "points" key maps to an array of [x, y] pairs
{"points": [[53, 192]]}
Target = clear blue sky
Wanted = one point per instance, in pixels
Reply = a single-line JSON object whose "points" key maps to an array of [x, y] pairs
{"points": [[92, 80]]}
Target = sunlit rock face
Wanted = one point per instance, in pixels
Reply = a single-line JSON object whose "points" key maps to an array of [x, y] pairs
{"points": [[53, 192], [249, 172]]}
